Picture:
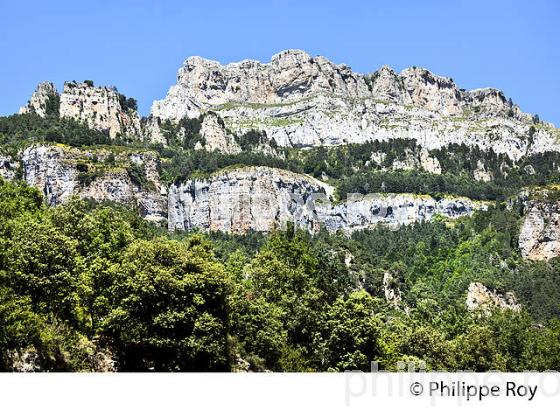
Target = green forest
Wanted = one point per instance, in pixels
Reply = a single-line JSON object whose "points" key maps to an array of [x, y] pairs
{"points": [[90, 286]]}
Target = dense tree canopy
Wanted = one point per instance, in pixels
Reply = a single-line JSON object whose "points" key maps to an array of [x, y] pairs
{"points": [[93, 287]]}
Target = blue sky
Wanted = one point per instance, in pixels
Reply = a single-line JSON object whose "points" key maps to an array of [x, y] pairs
{"points": [[139, 45]]}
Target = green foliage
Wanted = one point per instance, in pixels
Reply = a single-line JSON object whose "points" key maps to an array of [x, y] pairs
{"points": [[250, 139], [82, 283], [137, 174], [350, 335], [127, 104], [180, 165], [169, 308], [52, 107], [420, 183], [16, 130], [84, 280], [184, 134], [41, 266]]}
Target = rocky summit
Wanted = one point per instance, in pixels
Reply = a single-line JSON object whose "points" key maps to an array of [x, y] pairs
{"points": [[303, 101]]}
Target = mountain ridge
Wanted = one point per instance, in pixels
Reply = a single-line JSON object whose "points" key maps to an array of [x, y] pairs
{"points": [[302, 101], [397, 133]]}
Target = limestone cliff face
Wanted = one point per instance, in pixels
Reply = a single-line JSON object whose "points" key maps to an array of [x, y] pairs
{"points": [[304, 101], [290, 75], [246, 199], [539, 238], [40, 99], [56, 171], [434, 93], [236, 201], [49, 169], [100, 108], [265, 199], [216, 136]]}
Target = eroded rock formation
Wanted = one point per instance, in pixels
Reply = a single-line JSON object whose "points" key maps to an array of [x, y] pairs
{"points": [[479, 297], [304, 101], [61, 173], [101, 108], [264, 199], [539, 238]]}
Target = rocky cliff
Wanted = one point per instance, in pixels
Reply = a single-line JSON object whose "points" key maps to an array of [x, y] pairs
{"points": [[45, 95], [539, 238], [479, 297], [8, 167], [101, 108], [304, 101], [63, 172], [298, 101], [264, 199], [235, 201]]}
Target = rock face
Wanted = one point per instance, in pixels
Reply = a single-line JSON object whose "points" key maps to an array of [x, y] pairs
{"points": [[391, 290], [56, 171], [235, 201], [479, 297], [100, 108], [434, 93], [40, 99], [304, 101], [216, 136], [296, 101], [47, 168], [264, 199], [290, 75], [539, 238], [8, 167], [247, 199]]}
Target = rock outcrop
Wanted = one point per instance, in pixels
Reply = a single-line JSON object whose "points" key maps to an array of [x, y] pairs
{"points": [[539, 238], [216, 136], [304, 101], [42, 97], [296, 101], [265, 199], [482, 299], [62, 172], [240, 200], [391, 290], [101, 108], [235, 201], [49, 169]]}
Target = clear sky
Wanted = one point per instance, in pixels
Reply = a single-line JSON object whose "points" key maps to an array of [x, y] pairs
{"points": [[138, 45]]}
